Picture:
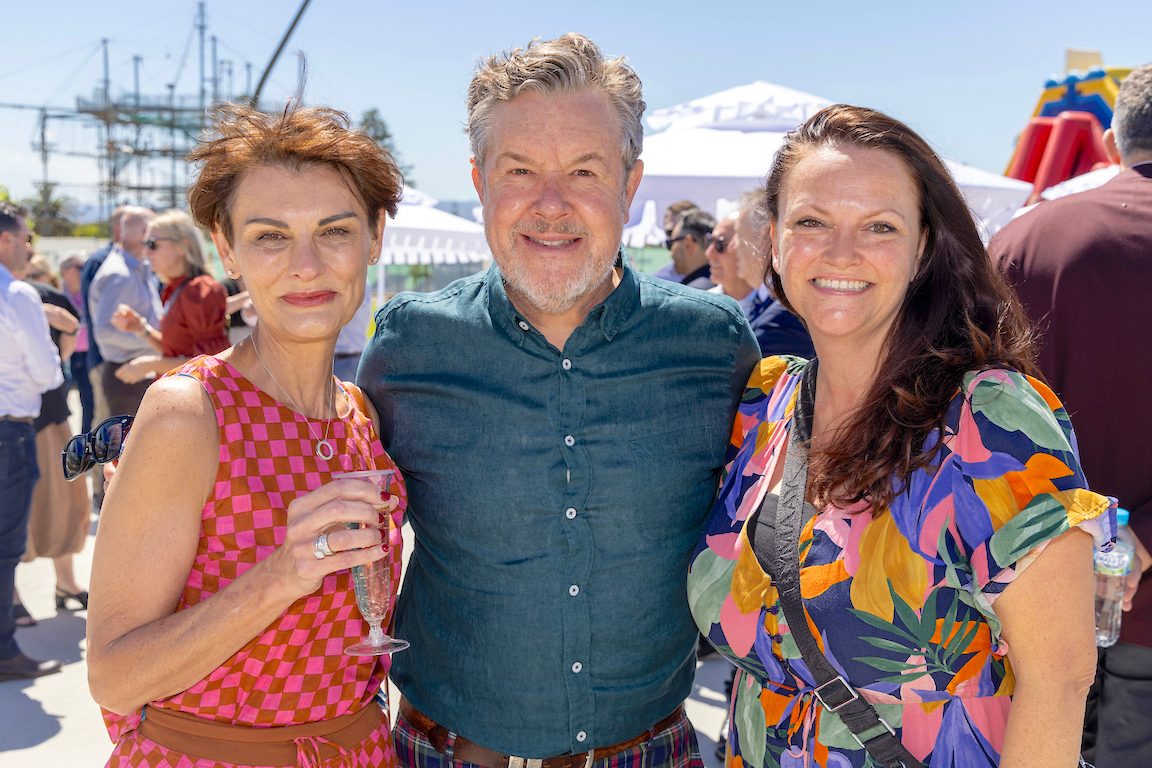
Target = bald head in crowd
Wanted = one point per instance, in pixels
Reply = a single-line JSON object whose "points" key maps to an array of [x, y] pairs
{"points": [[133, 225]]}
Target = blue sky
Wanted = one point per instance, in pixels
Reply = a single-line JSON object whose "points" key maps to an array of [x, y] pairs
{"points": [[966, 75]]}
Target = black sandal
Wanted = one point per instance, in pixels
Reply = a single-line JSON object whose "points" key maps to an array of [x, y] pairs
{"points": [[63, 598], [22, 617]]}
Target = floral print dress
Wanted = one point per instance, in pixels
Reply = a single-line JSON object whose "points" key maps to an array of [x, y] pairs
{"points": [[901, 600]]}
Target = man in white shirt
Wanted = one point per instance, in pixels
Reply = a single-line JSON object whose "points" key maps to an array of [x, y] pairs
{"points": [[29, 366]]}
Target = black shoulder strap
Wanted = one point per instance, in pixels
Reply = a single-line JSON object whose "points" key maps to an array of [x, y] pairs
{"points": [[779, 557]]}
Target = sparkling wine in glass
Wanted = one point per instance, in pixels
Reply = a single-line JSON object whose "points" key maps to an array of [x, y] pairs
{"points": [[373, 582]]}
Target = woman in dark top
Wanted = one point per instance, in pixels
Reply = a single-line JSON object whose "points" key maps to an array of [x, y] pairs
{"points": [[58, 523], [195, 320]]}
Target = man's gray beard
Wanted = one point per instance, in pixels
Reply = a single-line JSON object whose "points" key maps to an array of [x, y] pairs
{"points": [[571, 293], [590, 276]]}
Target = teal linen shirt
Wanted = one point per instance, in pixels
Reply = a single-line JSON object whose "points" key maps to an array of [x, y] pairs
{"points": [[555, 497]]}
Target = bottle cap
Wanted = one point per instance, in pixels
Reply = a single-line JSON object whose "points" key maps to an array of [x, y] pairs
{"points": [[1121, 516]]}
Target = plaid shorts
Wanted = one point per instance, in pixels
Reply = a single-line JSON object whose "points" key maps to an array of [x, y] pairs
{"points": [[673, 747]]}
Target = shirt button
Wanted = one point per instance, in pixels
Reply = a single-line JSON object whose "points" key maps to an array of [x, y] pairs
{"points": [[581, 736], [566, 364], [569, 440], [574, 590], [570, 513], [523, 325], [576, 667]]}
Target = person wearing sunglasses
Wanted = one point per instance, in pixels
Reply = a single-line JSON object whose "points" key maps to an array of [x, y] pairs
{"points": [[778, 331], [221, 598], [687, 244], [29, 366], [194, 320], [721, 255]]}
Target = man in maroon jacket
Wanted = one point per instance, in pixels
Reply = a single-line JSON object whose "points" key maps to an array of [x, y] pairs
{"points": [[1082, 266]]}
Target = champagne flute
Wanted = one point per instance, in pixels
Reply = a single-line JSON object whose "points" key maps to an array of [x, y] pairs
{"points": [[373, 582]]}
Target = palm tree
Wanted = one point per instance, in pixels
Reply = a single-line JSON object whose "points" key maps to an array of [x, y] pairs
{"points": [[53, 213]]}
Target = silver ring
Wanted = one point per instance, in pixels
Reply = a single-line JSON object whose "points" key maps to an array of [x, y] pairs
{"points": [[321, 550]]}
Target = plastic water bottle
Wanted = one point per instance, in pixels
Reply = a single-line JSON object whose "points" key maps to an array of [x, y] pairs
{"points": [[1111, 572]]}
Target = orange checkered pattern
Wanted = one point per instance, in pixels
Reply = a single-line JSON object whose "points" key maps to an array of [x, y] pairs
{"points": [[295, 671]]}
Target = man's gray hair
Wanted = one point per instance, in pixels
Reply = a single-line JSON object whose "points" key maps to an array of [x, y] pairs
{"points": [[567, 64], [1132, 115]]}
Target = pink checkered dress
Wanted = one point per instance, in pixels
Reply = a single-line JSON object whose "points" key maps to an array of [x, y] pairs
{"points": [[295, 671]]}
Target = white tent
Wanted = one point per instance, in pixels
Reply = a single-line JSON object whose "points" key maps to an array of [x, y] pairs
{"points": [[421, 234], [424, 235], [712, 149], [992, 198], [758, 106]]}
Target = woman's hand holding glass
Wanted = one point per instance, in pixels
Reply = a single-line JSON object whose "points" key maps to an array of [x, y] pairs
{"points": [[327, 511]]}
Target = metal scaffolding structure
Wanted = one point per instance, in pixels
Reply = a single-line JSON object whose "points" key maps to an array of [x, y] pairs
{"points": [[141, 138]]}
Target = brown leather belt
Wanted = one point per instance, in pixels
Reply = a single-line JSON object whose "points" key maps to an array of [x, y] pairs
{"points": [[282, 745], [470, 752], [19, 419]]}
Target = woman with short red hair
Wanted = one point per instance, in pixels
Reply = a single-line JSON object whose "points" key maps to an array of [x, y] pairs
{"points": [[221, 598]]}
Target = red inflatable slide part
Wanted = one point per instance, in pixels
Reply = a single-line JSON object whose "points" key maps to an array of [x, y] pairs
{"points": [[1054, 149]]}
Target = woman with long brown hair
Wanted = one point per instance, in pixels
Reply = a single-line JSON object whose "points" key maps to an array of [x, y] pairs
{"points": [[899, 560]]}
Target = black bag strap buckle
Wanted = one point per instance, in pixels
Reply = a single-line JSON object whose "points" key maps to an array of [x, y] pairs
{"points": [[836, 693]]}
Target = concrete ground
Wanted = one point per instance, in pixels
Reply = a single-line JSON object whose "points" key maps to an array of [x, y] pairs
{"points": [[52, 722]]}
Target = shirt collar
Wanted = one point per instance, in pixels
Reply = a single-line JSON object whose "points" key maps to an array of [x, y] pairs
{"points": [[609, 314], [129, 259], [170, 287], [704, 271], [748, 302]]}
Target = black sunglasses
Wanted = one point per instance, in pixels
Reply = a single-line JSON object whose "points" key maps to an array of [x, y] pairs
{"points": [[154, 242], [101, 445], [673, 240], [720, 242]]}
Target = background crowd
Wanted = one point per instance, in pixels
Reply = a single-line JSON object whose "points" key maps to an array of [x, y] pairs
{"points": [[1045, 321]]}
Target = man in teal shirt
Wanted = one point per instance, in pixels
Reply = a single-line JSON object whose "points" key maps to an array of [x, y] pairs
{"points": [[561, 422]]}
